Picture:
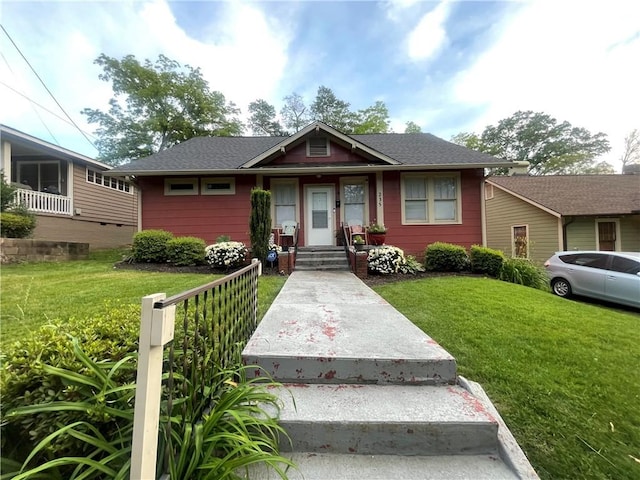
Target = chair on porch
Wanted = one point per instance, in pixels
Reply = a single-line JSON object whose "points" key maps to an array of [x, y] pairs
{"points": [[288, 233], [355, 227]]}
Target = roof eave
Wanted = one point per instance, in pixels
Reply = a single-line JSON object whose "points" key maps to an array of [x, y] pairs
{"points": [[315, 169]]}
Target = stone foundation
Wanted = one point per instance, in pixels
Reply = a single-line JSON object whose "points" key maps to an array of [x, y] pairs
{"points": [[15, 250]]}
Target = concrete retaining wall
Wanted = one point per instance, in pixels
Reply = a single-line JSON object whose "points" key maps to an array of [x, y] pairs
{"points": [[13, 250]]}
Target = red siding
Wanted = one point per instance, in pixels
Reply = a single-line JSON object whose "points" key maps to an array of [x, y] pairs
{"points": [[209, 216], [338, 156], [413, 239], [203, 216]]}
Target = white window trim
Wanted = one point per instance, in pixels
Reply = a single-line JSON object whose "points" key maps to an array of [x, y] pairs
{"points": [[617, 247], [180, 181], [327, 143], [488, 191], [513, 240], [354, 181], [285, 181], [227, 191], [431, 200], [125, 184]]}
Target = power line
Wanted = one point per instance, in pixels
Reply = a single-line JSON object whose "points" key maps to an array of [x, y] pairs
{"points": [[46, 88], [30, 100]]}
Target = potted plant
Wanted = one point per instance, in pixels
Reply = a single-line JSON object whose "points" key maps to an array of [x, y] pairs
{"points": [[377, 233], [358, 242]]}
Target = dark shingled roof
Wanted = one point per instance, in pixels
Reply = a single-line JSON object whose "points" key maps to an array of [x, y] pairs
{"points": [[578, 194], [225, 153]]}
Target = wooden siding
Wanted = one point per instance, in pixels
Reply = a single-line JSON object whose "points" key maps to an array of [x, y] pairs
{"points": [[630, 233], [202, 216], [504, 211], [78, 229], [581, 233], [338, 155], [209, 216], [413, 239], [102, 204]]}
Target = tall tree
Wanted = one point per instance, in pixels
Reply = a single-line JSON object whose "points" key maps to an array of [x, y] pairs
{"points": [[374, 119], [551, 148], [157, 105], [294, 113], [631, 154], [327, 108], [262, 119], [412, 127]]}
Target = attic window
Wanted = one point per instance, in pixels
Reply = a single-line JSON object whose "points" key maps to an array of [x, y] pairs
{"points": [[318, 147]]}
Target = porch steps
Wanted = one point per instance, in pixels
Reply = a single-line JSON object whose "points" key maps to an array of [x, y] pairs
{"points": [[321, 258], [368, 395]]}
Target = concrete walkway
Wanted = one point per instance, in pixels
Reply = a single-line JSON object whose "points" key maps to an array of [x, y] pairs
{"points": [[368, 395]]}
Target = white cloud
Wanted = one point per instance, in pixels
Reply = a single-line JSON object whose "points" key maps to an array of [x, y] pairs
{"points": [[574, 61], [429, 35]]}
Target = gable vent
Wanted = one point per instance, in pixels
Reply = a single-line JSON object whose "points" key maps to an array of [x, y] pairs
{"points": [[318, 147]]}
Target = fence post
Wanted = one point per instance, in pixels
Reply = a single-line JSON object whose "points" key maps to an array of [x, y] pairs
{"points": [[156, 329]]}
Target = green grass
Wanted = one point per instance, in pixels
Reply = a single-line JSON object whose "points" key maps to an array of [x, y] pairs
{"points": [[34, 293], [563, 374]]}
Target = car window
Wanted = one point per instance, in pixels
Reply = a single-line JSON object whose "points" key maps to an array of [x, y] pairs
{"points": [[625, 265], [593, 260]]}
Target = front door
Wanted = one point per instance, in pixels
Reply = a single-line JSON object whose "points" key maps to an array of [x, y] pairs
{"points": [[319, 219]]}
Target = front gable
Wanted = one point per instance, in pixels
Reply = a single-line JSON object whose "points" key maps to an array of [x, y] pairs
{"points": [[318, 145]]}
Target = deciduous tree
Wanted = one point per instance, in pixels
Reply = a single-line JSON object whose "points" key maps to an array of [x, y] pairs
{"points": [[294, 113], [327, 108], [631, 154], [374, 119], [262, 119], [412, 127], [551, 148], [157, 105]]}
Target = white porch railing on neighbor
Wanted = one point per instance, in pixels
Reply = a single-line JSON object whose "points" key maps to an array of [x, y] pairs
{"points": [[41, 202]]}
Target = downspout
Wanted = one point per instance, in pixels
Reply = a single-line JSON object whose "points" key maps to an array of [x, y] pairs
{"points": [[569, 221], [483, 213]]}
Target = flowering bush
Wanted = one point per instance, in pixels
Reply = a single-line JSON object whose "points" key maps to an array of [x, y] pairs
{"points": [[226, 254], [389, 259]]}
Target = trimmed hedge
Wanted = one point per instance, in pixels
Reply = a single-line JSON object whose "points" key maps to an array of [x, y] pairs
{"points": [[185, 251], [445, 257], [105, 338], [151, 246], [16, 225], [486, 260]]}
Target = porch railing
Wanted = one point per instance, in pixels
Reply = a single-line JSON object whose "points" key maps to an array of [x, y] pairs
{"points": [[203, 329], [41, 202]]}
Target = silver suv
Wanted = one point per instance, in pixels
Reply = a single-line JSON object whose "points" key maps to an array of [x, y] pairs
{"points": [[610, 276]]}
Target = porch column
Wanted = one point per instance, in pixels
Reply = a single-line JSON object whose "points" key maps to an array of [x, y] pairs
{"points": [[5, 160], [379, 199]]}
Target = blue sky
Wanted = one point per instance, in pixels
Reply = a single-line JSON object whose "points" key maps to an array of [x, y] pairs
{"points": [[449, 66]]}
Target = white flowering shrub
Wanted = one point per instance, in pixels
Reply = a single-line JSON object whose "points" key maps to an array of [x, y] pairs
{"points": [[389, 259], [226, 254]]}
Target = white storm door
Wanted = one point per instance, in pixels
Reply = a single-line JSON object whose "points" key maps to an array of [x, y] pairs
{"points": [[319, 215]]}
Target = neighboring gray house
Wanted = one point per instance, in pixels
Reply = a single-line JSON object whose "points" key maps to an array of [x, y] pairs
{"points": [[536, 216], [74, 197]]}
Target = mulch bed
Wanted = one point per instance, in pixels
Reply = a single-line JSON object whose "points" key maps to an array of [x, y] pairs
{"points": [[371, 280]]}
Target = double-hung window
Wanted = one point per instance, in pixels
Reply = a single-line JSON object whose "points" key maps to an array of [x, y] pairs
{"points": [[429, 198], [284, 197], [354, 195]]}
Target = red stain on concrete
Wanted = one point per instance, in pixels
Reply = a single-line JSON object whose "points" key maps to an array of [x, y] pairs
{"points": [[330, 375], [329, 331], [473, 402]]}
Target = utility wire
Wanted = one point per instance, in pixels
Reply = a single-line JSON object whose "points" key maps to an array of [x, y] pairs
{"points": [[46, 88], [30, 100]]}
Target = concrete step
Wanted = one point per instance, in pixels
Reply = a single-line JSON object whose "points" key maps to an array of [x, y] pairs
{"points": [[327, 466], [386, 420], [329, 327], [321, 258]]}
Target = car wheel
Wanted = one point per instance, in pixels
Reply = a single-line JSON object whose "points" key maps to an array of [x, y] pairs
{"points": [[561, 287]]}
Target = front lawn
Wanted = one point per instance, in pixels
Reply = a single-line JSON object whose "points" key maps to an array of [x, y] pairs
{"points": [[563, 374], [34, 293]]}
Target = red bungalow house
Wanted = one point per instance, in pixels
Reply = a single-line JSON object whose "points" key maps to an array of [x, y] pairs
{"points": [[422, 188]]}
